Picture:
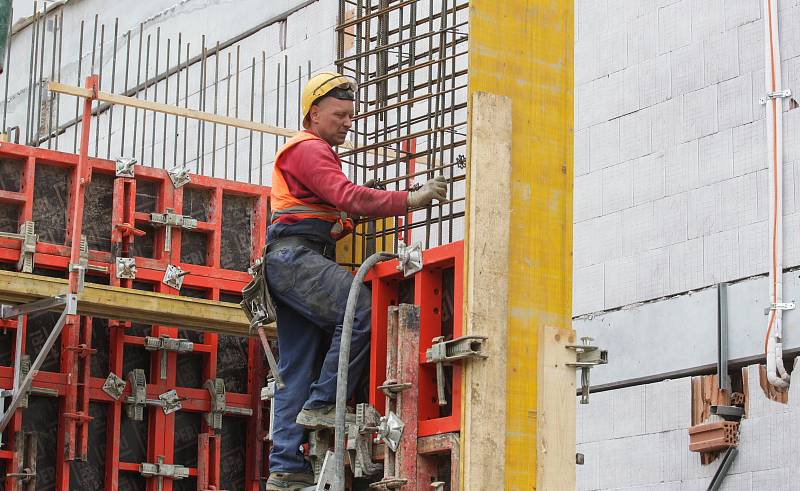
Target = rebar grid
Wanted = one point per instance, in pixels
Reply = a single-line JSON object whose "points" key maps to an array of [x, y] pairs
{"points": [[409, 57], [225, 78]]}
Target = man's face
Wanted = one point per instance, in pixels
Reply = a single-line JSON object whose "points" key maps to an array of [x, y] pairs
{"points": [[331, 119]]}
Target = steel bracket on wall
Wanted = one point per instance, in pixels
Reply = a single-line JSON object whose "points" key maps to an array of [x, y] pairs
{"points": [[587, 357]]}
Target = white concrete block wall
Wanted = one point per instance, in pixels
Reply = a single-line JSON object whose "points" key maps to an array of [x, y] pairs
{"points": [[637, 438], [670, 137]]}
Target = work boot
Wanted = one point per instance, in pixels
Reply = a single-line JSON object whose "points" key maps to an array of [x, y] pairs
{"points": [[321, 417], [289, 481]]}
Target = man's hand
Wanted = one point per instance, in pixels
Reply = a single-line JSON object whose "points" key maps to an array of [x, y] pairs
{"points": [[435, 188]]}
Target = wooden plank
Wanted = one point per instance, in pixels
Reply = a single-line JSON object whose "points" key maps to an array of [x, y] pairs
{"points": [[186, 112], [555, 408], [523, 49], [486, 291], [134, 305]]}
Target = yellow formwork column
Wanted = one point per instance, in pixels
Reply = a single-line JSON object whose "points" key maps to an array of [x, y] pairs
{"points": [[522, 51]]}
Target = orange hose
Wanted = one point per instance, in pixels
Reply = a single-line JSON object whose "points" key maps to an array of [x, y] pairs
{"points": [[774, 180]]}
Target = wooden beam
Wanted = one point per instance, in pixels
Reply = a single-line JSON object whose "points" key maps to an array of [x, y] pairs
{"points": [[486, 290], [555, 408], [523, 49], [185, 112], [134, 305]]}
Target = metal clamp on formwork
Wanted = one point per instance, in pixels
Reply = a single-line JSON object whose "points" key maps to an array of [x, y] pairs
{"points": [[179, 176], [219, 406], [173, 276], [587, 357], [409, 258], [83, 264], [162, 471], [28, 239], [114, 386], [24, 369], [124, 166], [164, 344], [360, 441], [444, 353], [169, 401], [169, 220], [126, 268], [780, 94]]}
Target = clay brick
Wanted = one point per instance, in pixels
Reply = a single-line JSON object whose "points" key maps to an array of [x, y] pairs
{"points": [[715, 436]]}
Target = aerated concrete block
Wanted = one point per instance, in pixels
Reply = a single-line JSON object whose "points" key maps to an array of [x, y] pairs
{"points": [[581, 156], [609, 91], [673, 220], [617, 187], [739, 201], [587, 476], [708, 18], [751, 46], [653, 274], [715, 158], [699, 113], [604, 145], [584, 252], [630, 82], [721, 57], [620, 282], [608, 237], [642, 38], [634, 135], [673, 30], [587, 196], [748, 148], [585, 60], [637, 229], [588, 289], [791, 134], [754, 248], [738, 12], [686, 68], [668, 405], [681, 167], [599, 409], [666, 120], [654, 80], [789, 32], [686, 265], [721, 257], [705, 210], [611, 50], [648, 178], [735, 103]]}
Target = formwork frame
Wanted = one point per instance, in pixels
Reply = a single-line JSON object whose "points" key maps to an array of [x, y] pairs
{"points": [[73, 384]]}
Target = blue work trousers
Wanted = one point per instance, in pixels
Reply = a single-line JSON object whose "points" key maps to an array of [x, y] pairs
{"points": [[310, 292]]}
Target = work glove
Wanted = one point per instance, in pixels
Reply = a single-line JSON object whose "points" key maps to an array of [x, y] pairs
{"points": [[435, 188]]}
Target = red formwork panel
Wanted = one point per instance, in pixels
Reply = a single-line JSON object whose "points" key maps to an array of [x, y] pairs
{"points": [[209, 277], [438, 291]]}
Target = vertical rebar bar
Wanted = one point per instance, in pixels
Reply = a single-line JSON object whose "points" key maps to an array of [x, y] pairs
{"points": [[113, 86]]}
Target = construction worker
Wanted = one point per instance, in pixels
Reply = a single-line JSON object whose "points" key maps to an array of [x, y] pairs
{"points": [[311, 198]]}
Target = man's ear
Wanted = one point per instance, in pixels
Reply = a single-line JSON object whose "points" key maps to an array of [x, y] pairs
{"points": [[313, 114]]}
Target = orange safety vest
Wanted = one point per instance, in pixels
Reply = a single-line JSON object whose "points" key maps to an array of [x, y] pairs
{"points": [[283, 202]]}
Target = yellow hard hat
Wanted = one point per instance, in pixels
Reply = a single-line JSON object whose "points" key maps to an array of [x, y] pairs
{"points": [[323, 83]]}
